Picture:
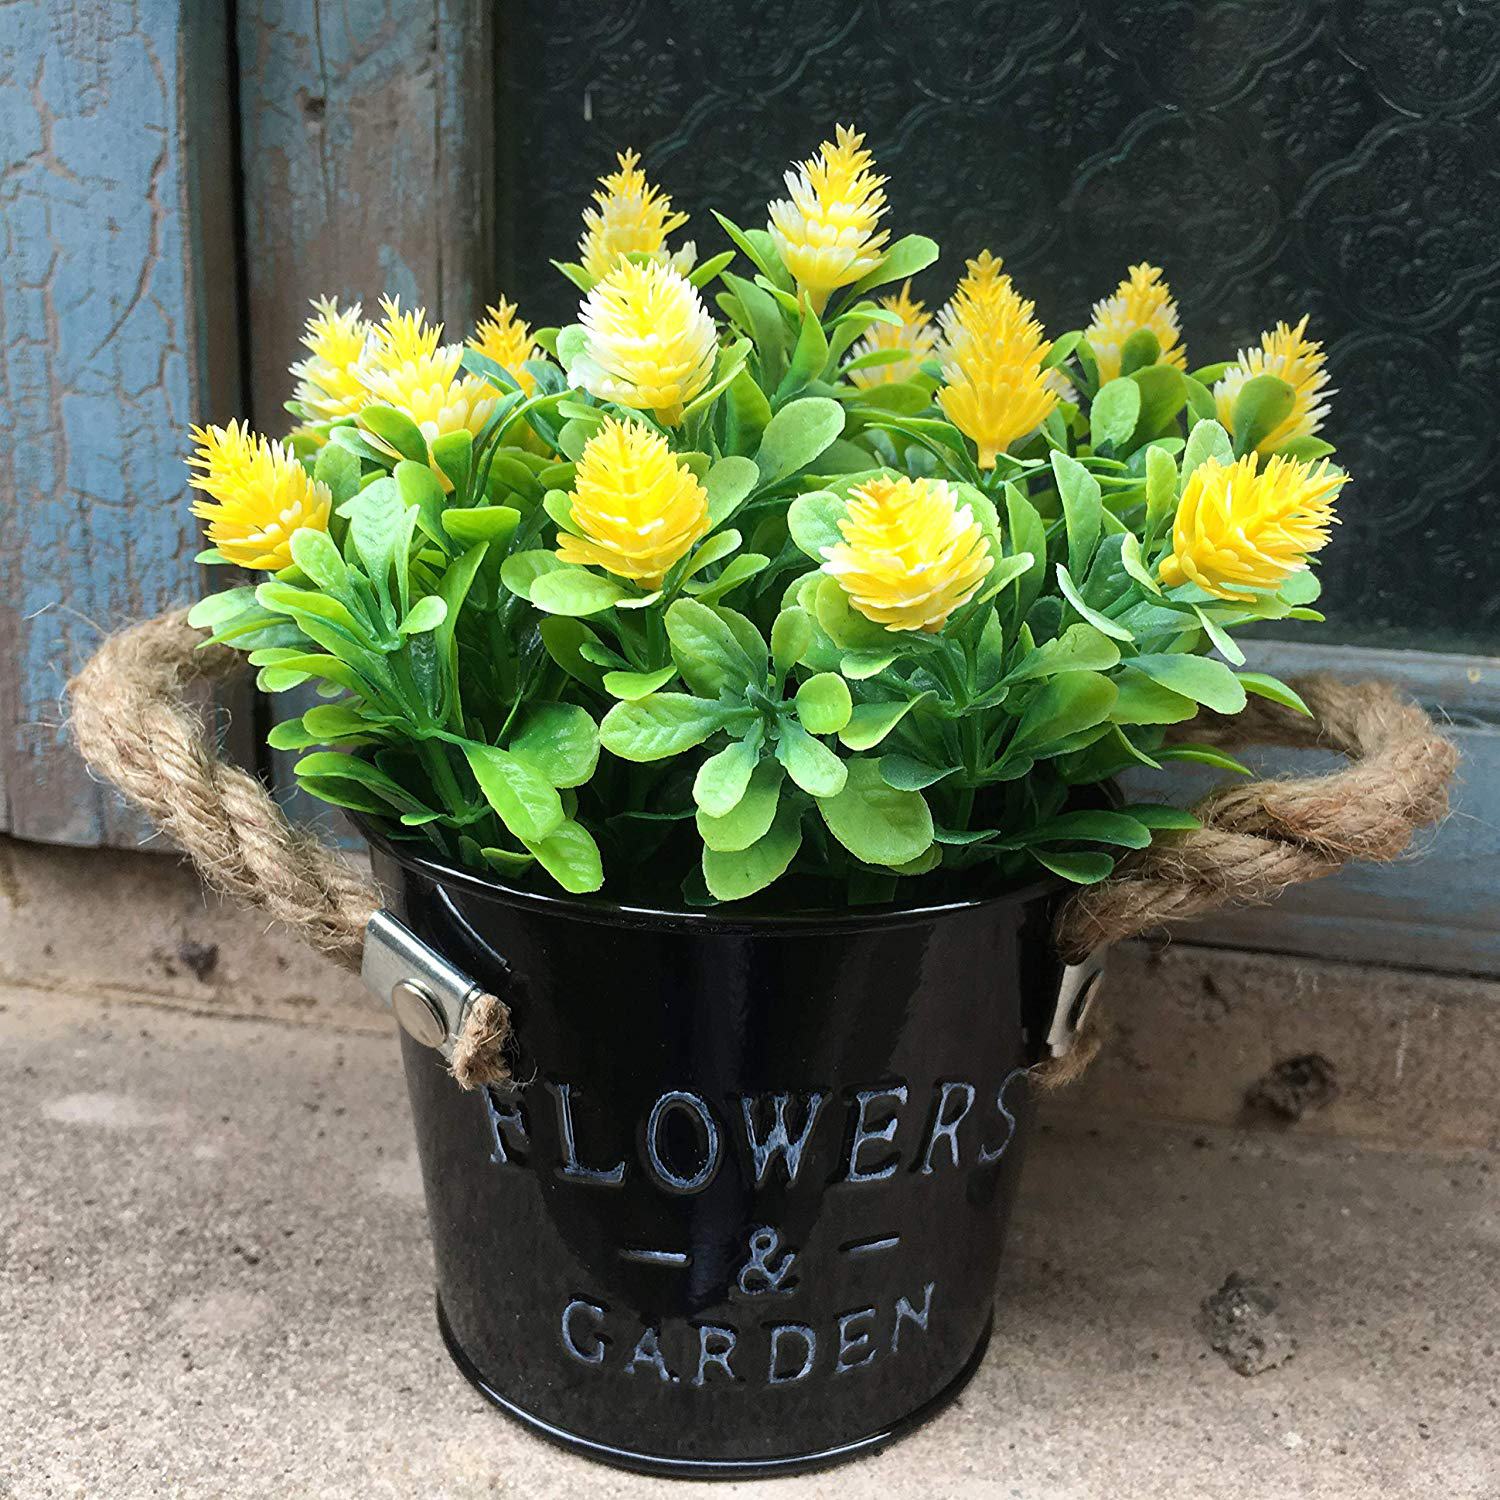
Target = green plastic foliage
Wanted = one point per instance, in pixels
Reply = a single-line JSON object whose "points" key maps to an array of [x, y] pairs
{"points": [[824, 704], [741, 718], [875, 822]]}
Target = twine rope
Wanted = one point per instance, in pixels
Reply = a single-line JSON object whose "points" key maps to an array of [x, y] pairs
{"points": [[135, 726]]}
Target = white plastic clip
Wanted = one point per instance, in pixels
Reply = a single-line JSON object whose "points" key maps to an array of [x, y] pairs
{"points": [[1075, 998]]}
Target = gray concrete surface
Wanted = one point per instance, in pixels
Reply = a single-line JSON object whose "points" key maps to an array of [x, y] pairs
{"points": [[214, 1281]]}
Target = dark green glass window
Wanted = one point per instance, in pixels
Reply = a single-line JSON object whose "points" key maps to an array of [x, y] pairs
{"points": [[1334, 157]]}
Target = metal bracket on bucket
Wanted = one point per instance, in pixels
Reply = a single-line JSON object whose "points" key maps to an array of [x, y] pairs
{"points": [[429, 995], [1075, 998]]}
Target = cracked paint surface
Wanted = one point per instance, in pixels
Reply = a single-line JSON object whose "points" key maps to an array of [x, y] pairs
{"points": [[97, 373]]}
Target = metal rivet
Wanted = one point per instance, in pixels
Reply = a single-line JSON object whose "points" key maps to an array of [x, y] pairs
{"points": [[418, 1014]]}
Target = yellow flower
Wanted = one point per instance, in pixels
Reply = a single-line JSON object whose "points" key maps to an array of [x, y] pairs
{"points": [[258, 496], [633, 218], [506, 339], [1142, 300], [651, 343], [1298, 360], [328, 380], [402, 338], [1238, 530], [639, 507], [911, 554], [995, 389], [409, 369], [917, 336], [826, 231]]}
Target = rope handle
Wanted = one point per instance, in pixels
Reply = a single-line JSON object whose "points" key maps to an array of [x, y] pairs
{"points": [[135, 727]]}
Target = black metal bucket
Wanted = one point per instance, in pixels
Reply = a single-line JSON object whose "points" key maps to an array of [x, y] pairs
{"points": [[744, 1212]]}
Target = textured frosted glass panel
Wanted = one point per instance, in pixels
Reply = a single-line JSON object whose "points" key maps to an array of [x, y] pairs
{"points": [[1335, 157]]}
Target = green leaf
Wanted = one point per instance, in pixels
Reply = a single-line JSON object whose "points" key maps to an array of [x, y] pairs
{"points": [[1203, 755], [1080, 648], [520, 571], [572, 591], [632, 685], [722, 779], [750, 639], [733, 875], [420, 489], [740, 570], [1161, 490], [1162, 817], [1163, 395], [380, 528], [808, 358], [1263, 685], [1111, 628], [1221, 639], [727, 484], [1201, 678], [910, 254], [813, 520], [749, 817], [1028, 533], [395, 428], [870, 723], [706, 650], [1082, 867], [791, 636], [339, 469], [563, 637], [570, 856], [875, 822], [453, 453], [1206, 440], [1305, 449], [857, 666], [796, 435], [1133, 563], [824, 704], [330, 766], [1263, 404], [809, 762], [1139, 351], [1095, 826], [218, 609], [662, 725], [1082, 510], [484, 523], [907, 774], [763, 259], [1142, 700], [560, 741], [524, 800], [715, 549], [1114, 414], [426, 614], [844, 625], [1064, 706], [701, 275]]}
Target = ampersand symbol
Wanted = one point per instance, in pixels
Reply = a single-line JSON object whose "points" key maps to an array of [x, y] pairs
{"points": [[764, 1243]]}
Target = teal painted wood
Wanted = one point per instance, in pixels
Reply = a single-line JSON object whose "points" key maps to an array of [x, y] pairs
{"points": [[367, 132], [367, 137], [111, 253]]}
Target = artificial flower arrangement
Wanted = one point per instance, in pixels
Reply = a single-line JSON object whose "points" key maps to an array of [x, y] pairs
{"points": [[822, 590]]}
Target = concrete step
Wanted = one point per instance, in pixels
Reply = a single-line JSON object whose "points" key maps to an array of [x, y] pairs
{"points": [[215, 1281]]}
